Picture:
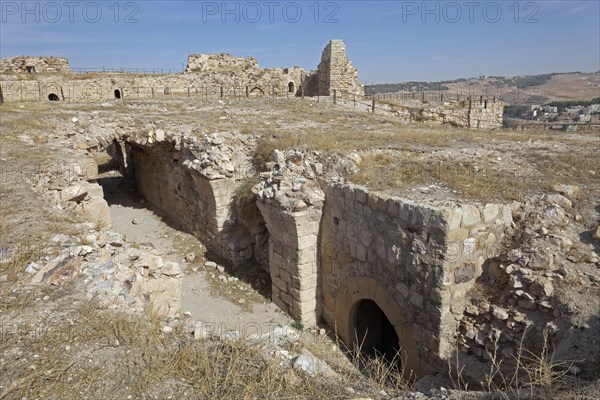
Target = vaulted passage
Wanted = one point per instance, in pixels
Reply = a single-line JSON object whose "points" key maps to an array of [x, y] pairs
{"points": [[53, 97], [375, 334]]}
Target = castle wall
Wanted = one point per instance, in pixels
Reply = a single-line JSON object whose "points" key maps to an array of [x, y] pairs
{"points": [[486, 114], [220, 63], [205, 75]]}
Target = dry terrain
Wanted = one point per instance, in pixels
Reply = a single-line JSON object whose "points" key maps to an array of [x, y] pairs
{"points": [[86, 336]]}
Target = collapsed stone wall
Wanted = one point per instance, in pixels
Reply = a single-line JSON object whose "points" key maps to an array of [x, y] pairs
{"points": [[34, 65]]}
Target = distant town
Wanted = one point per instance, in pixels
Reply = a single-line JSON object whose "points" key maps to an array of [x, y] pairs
{"points": [[567, 115]]}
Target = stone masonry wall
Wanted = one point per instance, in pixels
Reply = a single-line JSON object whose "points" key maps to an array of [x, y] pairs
{"points": [[421, 258], [198, 200], [34, 65], [204, 75], [486, 114], [477, 114], [293, 242], [336, 72], [220, 62]]}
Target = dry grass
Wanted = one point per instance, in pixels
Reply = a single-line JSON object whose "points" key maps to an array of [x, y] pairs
{"points": [[531, 373], [390, 172], [535, 372], [92, 352]]}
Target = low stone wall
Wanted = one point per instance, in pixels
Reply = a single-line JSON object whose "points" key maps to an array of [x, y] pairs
{"points": [[416, 261], [479, 114]]}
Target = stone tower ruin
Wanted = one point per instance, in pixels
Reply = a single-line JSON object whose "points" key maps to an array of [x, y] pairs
{"points": [[335, 72]]}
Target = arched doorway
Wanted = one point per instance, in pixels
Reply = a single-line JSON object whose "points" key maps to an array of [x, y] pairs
{"points": [[256, 91], [374, 332], [291, 87], [53, 97], [364, 306], [117, 94]]}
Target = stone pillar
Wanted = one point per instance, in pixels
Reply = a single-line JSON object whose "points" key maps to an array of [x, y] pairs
{"points": [[293, 240]]}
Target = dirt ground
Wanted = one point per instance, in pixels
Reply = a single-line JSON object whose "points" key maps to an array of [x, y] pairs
{"points": [[90, 337]]}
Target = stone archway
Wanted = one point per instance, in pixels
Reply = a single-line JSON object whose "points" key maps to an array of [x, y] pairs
{"points": [[350, 322], [117, 94], [53, 97], [256, 91], [375, 333], [291, 87]]}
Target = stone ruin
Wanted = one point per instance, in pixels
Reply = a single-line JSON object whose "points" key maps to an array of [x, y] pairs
{"points": [[55, 81], [34, 65], [335, 252], [336, 72], [359, 260]]}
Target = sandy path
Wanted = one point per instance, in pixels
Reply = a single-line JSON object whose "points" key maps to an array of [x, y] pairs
{"points": [[140, 224]]}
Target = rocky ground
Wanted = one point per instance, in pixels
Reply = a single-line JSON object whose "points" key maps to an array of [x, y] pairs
{"points": [[103, 297]]}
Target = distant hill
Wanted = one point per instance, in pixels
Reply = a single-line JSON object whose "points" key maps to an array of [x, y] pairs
{"points": [[528, 89]]}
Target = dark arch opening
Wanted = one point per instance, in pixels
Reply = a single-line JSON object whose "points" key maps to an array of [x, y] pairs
{"points": [[291, 87], [117, 94], [53, 97], [376, 333]]}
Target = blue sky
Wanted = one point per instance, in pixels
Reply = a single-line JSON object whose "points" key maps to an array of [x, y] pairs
{"points": [[389, 41]]}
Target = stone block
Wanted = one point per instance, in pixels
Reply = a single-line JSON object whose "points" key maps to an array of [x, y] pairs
{"points": [[286, 298], [349, 193], [490, 213], [416, 298], [403, 289], [507, 215], [97, 211], [464, 273], [306, 242], [470, 216], [281, 304], [285, 276], [457, 235], [304, 296], [361, 252], [279, 284], [360, 195]]}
